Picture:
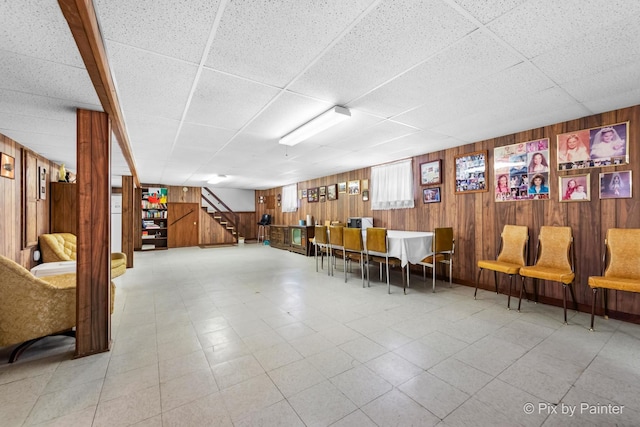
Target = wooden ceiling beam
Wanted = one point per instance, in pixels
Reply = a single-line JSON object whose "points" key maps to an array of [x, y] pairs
{"points": [[81, 17]]}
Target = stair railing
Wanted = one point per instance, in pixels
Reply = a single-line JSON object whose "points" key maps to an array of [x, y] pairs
{"points": [[229, 215]]}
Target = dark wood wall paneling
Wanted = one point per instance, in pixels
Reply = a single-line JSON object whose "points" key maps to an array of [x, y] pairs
{"points": [[477, 219], [15, 194]]}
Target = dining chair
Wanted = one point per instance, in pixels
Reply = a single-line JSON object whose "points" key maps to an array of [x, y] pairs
{"points": [[336, 245], [554, 263], [377, 251], [621, 266], [443, 245], [321, 242], [513, 253], [353, 249]]}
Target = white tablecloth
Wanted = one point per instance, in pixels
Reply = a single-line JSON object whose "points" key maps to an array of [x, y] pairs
{"points": [[409, 246]]}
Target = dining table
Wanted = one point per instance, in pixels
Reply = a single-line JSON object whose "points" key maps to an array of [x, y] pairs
{"points": [[410, 247]]}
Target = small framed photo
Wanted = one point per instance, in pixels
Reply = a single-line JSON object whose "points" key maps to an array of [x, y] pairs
{"points": [[364, 184], [431, 195], [7, 166], [312, 195], [42, 183], [615, 185], [323, 191], [332, 192], [323, 198], [365, 195], [575, 188], [354, 187], [471, 172], [430, 172], [342, 187], [261, 199], [304, 193]]}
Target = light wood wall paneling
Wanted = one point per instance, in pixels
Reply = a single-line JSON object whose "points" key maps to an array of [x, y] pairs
{"points": [[93, 330]]}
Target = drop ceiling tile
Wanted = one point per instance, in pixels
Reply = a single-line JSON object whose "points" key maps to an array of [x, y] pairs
{"points": [[272, 42], [488, 10], [227, 102], [359, 122], [148, 133], [288, 112], [178, 29], [540, 26], [393, 37], [207, 139], [39, 77], [597, 52], [66, 129], [619, 79], [613, 101], [38, 29], [374, 135], [150, 84], [472, 58]]}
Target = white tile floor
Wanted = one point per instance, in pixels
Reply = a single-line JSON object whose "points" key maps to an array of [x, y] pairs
{"points": [[251, 335]]}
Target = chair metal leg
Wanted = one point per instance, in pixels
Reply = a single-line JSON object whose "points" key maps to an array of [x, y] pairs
{"points": [[433, 277], [388, 282], [521, 288], [477, 281], [593, 307], [605, 297], [509, 296], [573, 297], [564, 301], [495, 280]]}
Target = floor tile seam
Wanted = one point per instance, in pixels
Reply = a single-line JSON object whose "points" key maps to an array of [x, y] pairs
{"points": [[427, 409]]}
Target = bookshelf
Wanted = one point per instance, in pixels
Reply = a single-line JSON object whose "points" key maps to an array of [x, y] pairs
{"points": [[154, 219]]}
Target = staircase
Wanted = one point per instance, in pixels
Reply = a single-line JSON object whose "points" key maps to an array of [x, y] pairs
{"points": [[228, 219]]}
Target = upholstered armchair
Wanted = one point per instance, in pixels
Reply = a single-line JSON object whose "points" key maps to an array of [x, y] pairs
{"points": [[58, 247], [32, 308]]}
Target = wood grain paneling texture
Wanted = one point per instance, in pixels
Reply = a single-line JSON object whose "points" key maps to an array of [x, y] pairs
{"points": [[63, 207], [477, 219]]}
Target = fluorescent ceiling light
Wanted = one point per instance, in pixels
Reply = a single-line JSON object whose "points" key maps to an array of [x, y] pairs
{"points": [[317, 125], [217, 179]]}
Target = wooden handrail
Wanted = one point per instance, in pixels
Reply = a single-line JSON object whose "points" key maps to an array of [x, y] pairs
{"points": [[224, 214]]}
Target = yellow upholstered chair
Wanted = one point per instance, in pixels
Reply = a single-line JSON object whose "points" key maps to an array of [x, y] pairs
{"points": [[512, 256], [377, 251], [336, 245], [58, 247], [554, 263], [621, 262], [443, 247], [353, 249], [321, 241], [33, 308]]}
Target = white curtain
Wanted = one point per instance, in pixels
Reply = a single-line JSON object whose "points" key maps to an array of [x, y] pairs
{"points": [[392, 186], [290, 198]]}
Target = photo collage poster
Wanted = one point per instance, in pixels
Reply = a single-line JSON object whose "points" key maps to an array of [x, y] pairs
{"points": [[522, 171]]}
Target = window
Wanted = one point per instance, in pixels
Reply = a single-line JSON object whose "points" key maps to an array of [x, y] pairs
{"points": [[392, 186], [289, 198]]}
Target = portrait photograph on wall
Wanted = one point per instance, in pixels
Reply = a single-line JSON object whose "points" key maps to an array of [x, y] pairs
{"points": [[575, 188], [471, 172], [431, 195], [595, 147], [615, 185], [516, 165], [342, 187], [354, 187], [332, 192], [312, 195]]}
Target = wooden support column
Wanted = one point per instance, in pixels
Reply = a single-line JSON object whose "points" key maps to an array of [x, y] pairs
{"points": [[128, 216], [93, 327]]}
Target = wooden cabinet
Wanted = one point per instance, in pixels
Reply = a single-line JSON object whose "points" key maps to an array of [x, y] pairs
{"points": [[294, 238], [63, 207]]}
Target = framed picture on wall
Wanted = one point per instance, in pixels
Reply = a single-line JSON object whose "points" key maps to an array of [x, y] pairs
{"points": [[312, 195], [365, 195], [471, 170], [595, 147], [332, 192], [615, 185], [7, 166], [342, 187], [354, 187], [304, 193], [323, 191], [431, 195], [515, 165], [42, 183], [430, 172], [575, 188]]}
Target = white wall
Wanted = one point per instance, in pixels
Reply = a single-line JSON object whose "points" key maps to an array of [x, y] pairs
{"points": [[238, 200], [116, 222]]}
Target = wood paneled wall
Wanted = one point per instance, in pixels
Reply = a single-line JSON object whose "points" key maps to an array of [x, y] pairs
{"points": [[477, 219], [13, 218]]}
